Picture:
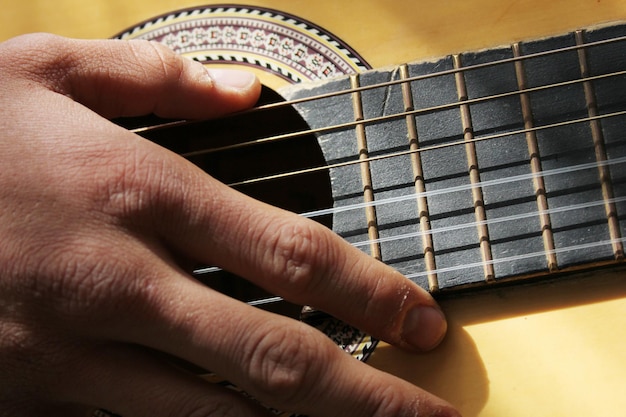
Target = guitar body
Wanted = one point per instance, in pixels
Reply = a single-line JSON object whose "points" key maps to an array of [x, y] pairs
{"points": [[555, 348]]}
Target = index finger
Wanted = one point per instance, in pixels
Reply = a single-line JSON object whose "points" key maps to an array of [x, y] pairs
{"points": [[300, 260]]}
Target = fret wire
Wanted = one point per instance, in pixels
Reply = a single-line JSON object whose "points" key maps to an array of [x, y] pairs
{"points": [[535, 163], [600, 150], [423, 149], [374, 120], [366, 174], [272, 106], [474, 173], [420, 185]]}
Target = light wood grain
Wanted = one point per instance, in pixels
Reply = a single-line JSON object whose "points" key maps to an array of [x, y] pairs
{"points": [[384, 32]]}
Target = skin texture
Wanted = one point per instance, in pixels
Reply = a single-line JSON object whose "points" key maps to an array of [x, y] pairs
{"points": [[97, 224]]}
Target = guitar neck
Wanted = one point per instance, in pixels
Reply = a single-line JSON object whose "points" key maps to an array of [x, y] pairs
{"points": [[482, 167]]}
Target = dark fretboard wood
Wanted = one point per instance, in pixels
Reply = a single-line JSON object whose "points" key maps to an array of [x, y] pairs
{"points": [[510, 161]]}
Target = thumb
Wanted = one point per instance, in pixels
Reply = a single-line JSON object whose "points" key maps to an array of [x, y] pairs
{"points": [[119, 78]]}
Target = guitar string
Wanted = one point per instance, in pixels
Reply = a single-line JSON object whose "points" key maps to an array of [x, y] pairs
{"points": [[510, 218], [429, 148], [483, 184], [413, 112], [461, 226], [466, 267], [425, 149], [491, 221], [503, 219], [465, 187], [290, 103]]}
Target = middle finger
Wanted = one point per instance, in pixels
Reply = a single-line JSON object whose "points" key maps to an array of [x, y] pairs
{"points": [[283, 363], [297, 259]]}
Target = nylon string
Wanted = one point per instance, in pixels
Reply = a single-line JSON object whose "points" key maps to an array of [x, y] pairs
{"points": [[414, 196]]}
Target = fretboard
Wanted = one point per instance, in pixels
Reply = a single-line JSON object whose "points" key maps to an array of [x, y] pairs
{"points": [[482, 167]]}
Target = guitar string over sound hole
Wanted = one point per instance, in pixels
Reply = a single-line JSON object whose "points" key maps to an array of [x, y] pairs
{"points": [[299, 194]]}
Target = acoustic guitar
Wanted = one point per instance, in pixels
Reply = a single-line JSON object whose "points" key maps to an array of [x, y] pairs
{"points": [[483, 157]]}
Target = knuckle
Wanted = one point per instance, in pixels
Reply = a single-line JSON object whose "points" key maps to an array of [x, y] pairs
{"points": [[39, 55], [137, 184], [299, 255], [128, 183], [284, 365], [161, 61]]}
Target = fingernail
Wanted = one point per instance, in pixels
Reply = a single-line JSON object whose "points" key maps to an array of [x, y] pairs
{"points": [[424, 327], [232, 78]]}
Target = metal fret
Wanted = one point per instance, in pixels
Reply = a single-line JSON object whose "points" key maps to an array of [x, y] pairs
{"points": [[474, 173], [420, 186], [600, 151], [535, 164], [366, 175]]}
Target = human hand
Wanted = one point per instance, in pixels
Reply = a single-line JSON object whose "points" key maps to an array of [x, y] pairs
{"points": [[96, 223]]}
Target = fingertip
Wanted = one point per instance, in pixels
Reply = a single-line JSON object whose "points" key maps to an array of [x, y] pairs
{"points": [[424, 327], [241, 81], [223, 90], [134, 78]]}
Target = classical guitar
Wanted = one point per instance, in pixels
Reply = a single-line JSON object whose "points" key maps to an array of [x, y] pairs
{"points": [[495, 178]]}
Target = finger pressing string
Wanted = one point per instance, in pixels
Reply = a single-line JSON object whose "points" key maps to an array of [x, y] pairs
{"points": [[293, 257]]}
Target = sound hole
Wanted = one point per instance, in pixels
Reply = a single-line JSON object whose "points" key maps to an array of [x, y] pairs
{"points": [[299, 193]]}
